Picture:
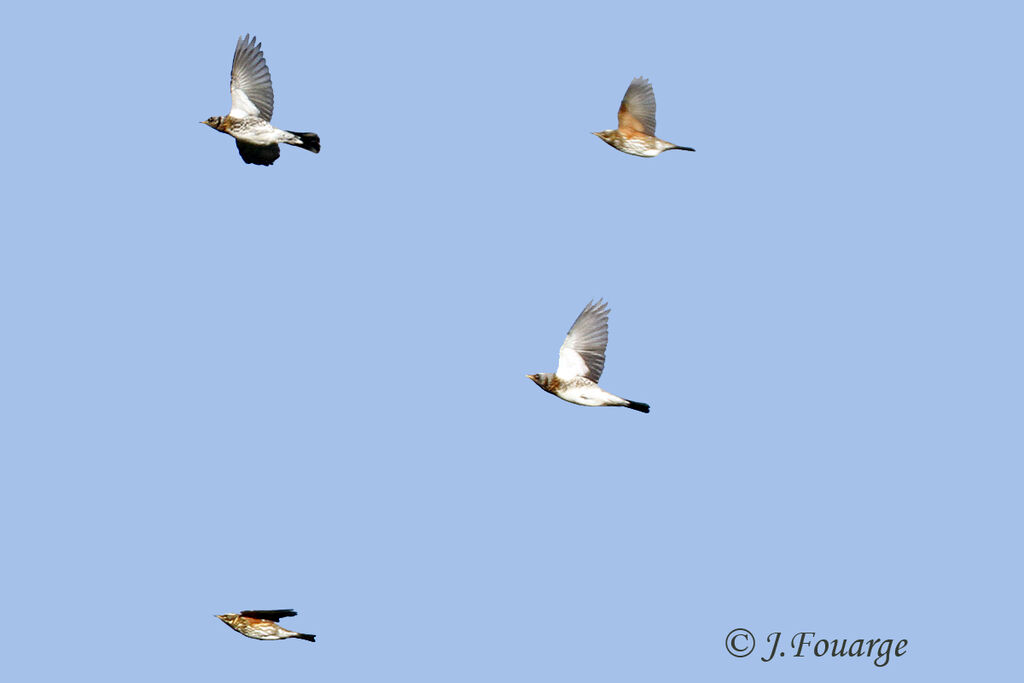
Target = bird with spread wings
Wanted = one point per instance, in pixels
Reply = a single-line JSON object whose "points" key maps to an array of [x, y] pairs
{"points": [[252, 105], [635, 134], [581, 362]]}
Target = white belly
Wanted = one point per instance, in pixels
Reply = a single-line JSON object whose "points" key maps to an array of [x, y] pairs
{"points": [[590, 395], [259, 132]]}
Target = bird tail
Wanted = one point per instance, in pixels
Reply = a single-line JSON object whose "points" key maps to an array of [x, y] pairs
{"points": [[686, 149], [306, 636], [636, 405], [310, 141]]}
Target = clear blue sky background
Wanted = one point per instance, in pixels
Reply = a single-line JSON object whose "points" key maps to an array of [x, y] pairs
{"points": [[228, 387]]}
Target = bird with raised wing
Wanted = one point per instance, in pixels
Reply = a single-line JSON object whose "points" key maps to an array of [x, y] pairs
{"points": [[252, 105], [262, 624], [635, 134], [581, 361]]}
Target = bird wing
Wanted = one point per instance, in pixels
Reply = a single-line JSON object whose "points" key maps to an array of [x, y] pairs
{"points": [[261, 155], [582, 352], [251, 91], [269, 614], [637, 108]]}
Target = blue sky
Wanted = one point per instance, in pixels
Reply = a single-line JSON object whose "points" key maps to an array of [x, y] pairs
{"points": [[228, 387]]}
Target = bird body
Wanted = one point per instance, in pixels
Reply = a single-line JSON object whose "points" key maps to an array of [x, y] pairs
{"points": [[254, 130], [252, 106], [581, 362], [262, 624], [582, 391], [637, 144], [637, 121]]}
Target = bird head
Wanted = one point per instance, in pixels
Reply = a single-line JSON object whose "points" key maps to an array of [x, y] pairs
{"points": [[541, 379], [214, 122], [226, 618], [606, 135]]}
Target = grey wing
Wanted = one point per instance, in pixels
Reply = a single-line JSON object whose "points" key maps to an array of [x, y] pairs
{"points": [[582, 352], [637, 109], [252, 94]]}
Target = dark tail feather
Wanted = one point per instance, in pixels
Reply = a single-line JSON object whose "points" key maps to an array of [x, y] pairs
{"points": [[310, 141], [686, 149], [636, 405], [306, 636]]}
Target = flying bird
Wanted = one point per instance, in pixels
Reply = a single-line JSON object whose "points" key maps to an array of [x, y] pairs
{"points": [[635, 134], [252, 105], [262, 624], [581, 361]]}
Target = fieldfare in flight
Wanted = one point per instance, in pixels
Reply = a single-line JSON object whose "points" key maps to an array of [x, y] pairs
{"points": [[635, 134], [262, 624], [252, 105], [580, 362]]}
